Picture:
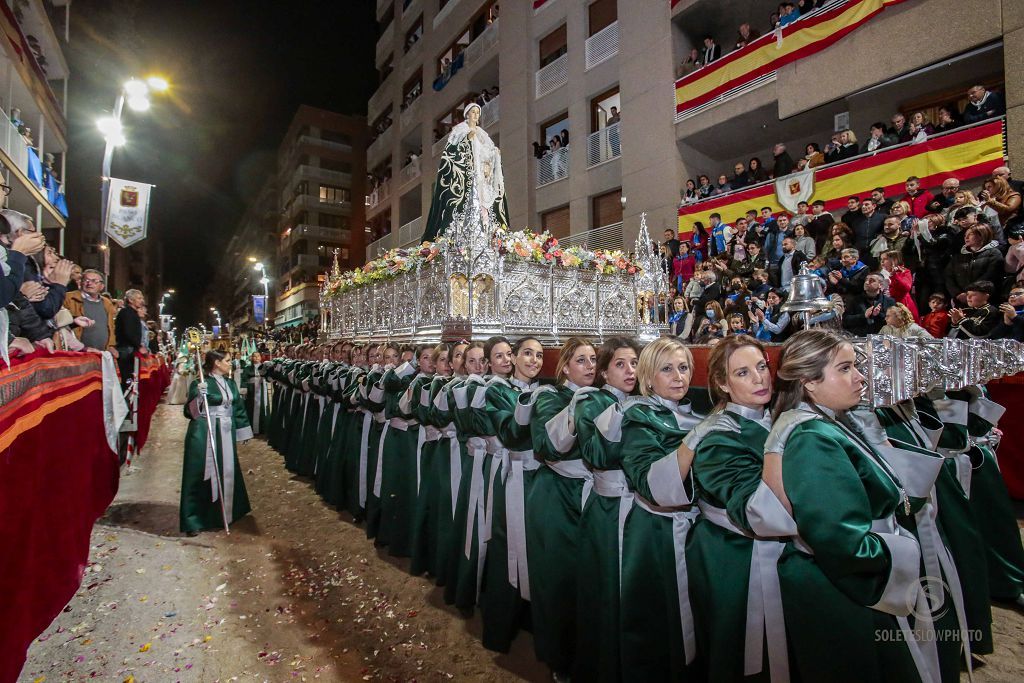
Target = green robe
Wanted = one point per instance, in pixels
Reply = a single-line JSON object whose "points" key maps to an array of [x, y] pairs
{"points": [[197, 509], [553, 509], [315, 412], [727, 468], [452, 190], [654, 644], [425, 518], [371, 399], [447, 474], [253, 381], [503, 605], [396, 478], [460, 587], [299, 415], [597, 598], [333, 420], [843, 494], [345, 448]]}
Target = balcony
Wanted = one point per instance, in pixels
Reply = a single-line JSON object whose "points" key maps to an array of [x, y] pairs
{"points": [[410, 11], [339, 235], [410, 116], [602, 45], [380, 99], [380, 147], [313, 203], [379, 197], [30, 75], [438, 146], [445, 12], [407, 236], [552, 76], [327, 144], [603, 145], [323, 175], [409, 173], [553, 166], [607, 237], [385, 44], [29, 190], [483, 46], [490, 113]]}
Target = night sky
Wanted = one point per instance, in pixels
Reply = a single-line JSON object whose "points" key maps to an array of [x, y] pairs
{"points": [[238, 71]]}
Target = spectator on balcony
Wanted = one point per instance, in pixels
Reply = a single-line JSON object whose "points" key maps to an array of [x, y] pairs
{"points": [[1002, 199], [899, 129], [803, 215], [740, 178], [978, 259], [1011, 326], [866, 311], [1004, 173], [920, 127], [978, 319], [723, 185], [711, 51], [814, 155], [705, 189], [946, 198], [89, 302], [689, 195], [788, 13], [803, 242], [783, 162], [820, 225], [917, 198], [852, 209], [613, 134], [690, 64], [756, 171], [540, 149], [948, 119], [684, 264], [701, 242], [564, 138], [745, 36], [721, 235], [983, 104], [789, 264], [671, 242], [878, 138], [882, 205], [865, 227]]}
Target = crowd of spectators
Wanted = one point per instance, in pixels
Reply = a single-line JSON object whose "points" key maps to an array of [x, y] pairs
{"points": [[981, 104], [940, 263], [48, 302], [414, 92]]}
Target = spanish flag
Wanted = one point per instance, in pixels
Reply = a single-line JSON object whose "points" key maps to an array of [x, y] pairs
{"points": [[963, 154]]}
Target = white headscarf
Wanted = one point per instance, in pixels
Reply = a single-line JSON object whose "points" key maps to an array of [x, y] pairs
{"points": [[485, 152]]}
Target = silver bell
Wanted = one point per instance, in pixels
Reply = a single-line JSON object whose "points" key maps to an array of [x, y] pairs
{"points": [[806, 294]]}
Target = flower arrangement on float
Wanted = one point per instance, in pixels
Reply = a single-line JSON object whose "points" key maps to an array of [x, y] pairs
{"points": [[523, 245]]}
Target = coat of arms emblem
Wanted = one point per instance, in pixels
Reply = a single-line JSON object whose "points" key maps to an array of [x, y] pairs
{"points": [[129, 196]]}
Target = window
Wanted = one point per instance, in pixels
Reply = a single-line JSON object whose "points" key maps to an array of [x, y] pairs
{"points": [[328, 220], [335, 165], [601, 14], [414, 34], [556, 221], [412, 89], [555, 127], [607, 209], [553, 46], [334, 195], [601, 108]]}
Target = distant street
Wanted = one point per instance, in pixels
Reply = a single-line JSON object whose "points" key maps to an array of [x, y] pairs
{"points": [[296, 593]]}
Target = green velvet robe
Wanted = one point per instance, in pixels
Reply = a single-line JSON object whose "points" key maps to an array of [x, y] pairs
{"points": [[197, 510], [398, 466], [371, 399], [597, 597], [837, 491], [727, 468], [653, 645], [446, 473], [249, 376], [463, 591], [460, 585], [345, 445]]}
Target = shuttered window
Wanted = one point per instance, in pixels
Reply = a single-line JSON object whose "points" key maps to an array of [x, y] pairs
{"points": [[556, 221], [602, 14], [607, 208]]}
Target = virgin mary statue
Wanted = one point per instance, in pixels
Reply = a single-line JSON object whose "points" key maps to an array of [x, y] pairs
{"points": [[469, 192]]}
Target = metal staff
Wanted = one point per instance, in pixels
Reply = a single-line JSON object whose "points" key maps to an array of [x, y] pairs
{"points": [[195, 340]]}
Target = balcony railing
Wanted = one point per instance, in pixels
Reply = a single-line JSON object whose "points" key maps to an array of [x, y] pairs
{"points": [[553, 166], [410, 116], [445, 11], [607, 237], [379, 196], [484, 44], [320, 142], [409, 172], [553, 76], [490, 113], [312, 202], [385, 43], [379, 147], [14, 146], [602, 45], [406, 236], [315, 232], [438, 146], [603, 145], [325, 175]]}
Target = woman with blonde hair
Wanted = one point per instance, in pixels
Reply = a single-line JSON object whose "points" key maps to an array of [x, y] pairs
{"points": [[657, 619], [554, 506], [849, 573], [732, 546], [899, 322]]}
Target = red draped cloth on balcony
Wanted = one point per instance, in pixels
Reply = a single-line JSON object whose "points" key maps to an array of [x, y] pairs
{"points": [[57, 476]]}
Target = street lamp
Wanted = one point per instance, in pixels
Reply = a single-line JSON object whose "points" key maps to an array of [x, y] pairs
{"points": [[165, 297], [136, 92], [265, 281]]}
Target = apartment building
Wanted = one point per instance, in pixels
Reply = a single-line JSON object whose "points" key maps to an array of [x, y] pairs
{"points": [[562, 65], [33, 105], [321, 168]]}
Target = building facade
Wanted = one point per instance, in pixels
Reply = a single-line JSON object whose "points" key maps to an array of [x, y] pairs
{"points": [[33, 101], [304, 215], [561, 66]]}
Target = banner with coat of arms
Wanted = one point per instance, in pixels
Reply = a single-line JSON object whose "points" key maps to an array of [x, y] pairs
{"points": [[127, 211], [794, 188]]}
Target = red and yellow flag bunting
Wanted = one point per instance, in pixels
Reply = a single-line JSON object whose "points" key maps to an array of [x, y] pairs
{"points": [[963, 154]]}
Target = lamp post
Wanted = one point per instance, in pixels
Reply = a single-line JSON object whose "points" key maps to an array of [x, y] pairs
{"points": [[136, 93], [265, 281]]}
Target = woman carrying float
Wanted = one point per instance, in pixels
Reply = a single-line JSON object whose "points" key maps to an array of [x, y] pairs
{"points": [[372, 399]]}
